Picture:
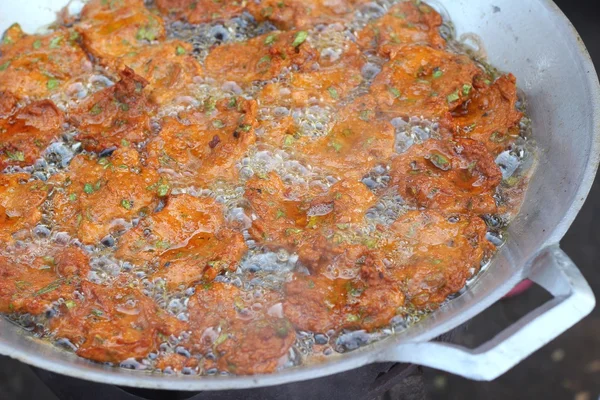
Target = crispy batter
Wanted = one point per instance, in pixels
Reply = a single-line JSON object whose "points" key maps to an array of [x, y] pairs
{"points": [[113, 324], [99, 196], [320, 304], [457, 177], [247, 341], [115, 28], [201, 11], [25, 134], [20, 203], [36, 276], [181, 218], [491, 116], [188, 238], [35, 66], [359, 140], [298, 14], [168, 67], [206, 147], [116, 116], [405, 23], [435, 253], [8, 103], [259, 59], [422, 81]]}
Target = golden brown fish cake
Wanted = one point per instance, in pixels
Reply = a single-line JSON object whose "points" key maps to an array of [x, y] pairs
{"points": [[259, 59], [256, 347], [405, 23], [244, 341], [188, 238], [37, 276], [112, 29], [206, 147], [279, 220], [306, 225], [361, 139], [435, 253], [35, 67], [27, 133], [320, 304], [491, 116], [329, 82], [8, 103], [20, 203], [168, 67], [425, 82], [298, 14], [116, 116], [457, 177], [201, 11], [113, 324], [202, 258], [100, 196], [182, 217]]}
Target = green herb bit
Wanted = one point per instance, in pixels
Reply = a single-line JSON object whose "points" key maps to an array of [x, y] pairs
{"points": [[288, 140], [145, 33], [453, 97], [37, 44], [466, 89], [437, 72], [4, 66], [264, 59], [497, 137], [292, 231], [55, 42], [180, 50], [70, 304], [88, 188], [73, 197], [365, 115], [352, 318], [16, 155], [280, 214], [96, 109], [52, 84], [163, 189], [333, 92], [51, 287], [269, 40], [245, 127], [394, 92], [336, 146], [222, 338], [440, 161], [22, 284], [218, 124], [97, 313], [126, 204], [300, 38]]}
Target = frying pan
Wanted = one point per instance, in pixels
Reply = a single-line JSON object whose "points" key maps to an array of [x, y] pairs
{"points": [[535, 41]]}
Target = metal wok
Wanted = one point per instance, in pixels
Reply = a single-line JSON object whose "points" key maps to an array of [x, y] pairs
{"points": [[535, 41]]}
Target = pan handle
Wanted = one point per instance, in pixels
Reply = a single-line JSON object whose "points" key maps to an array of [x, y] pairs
{"points": [[573, 300]]}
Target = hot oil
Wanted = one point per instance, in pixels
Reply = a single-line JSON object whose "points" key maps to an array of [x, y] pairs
{"points": [[265, 269]]}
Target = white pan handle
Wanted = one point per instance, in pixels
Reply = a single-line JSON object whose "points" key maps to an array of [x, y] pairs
{"points": [[573, 300]]}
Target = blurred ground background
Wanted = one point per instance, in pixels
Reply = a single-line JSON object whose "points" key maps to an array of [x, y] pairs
{"points": [[568, 368]]}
